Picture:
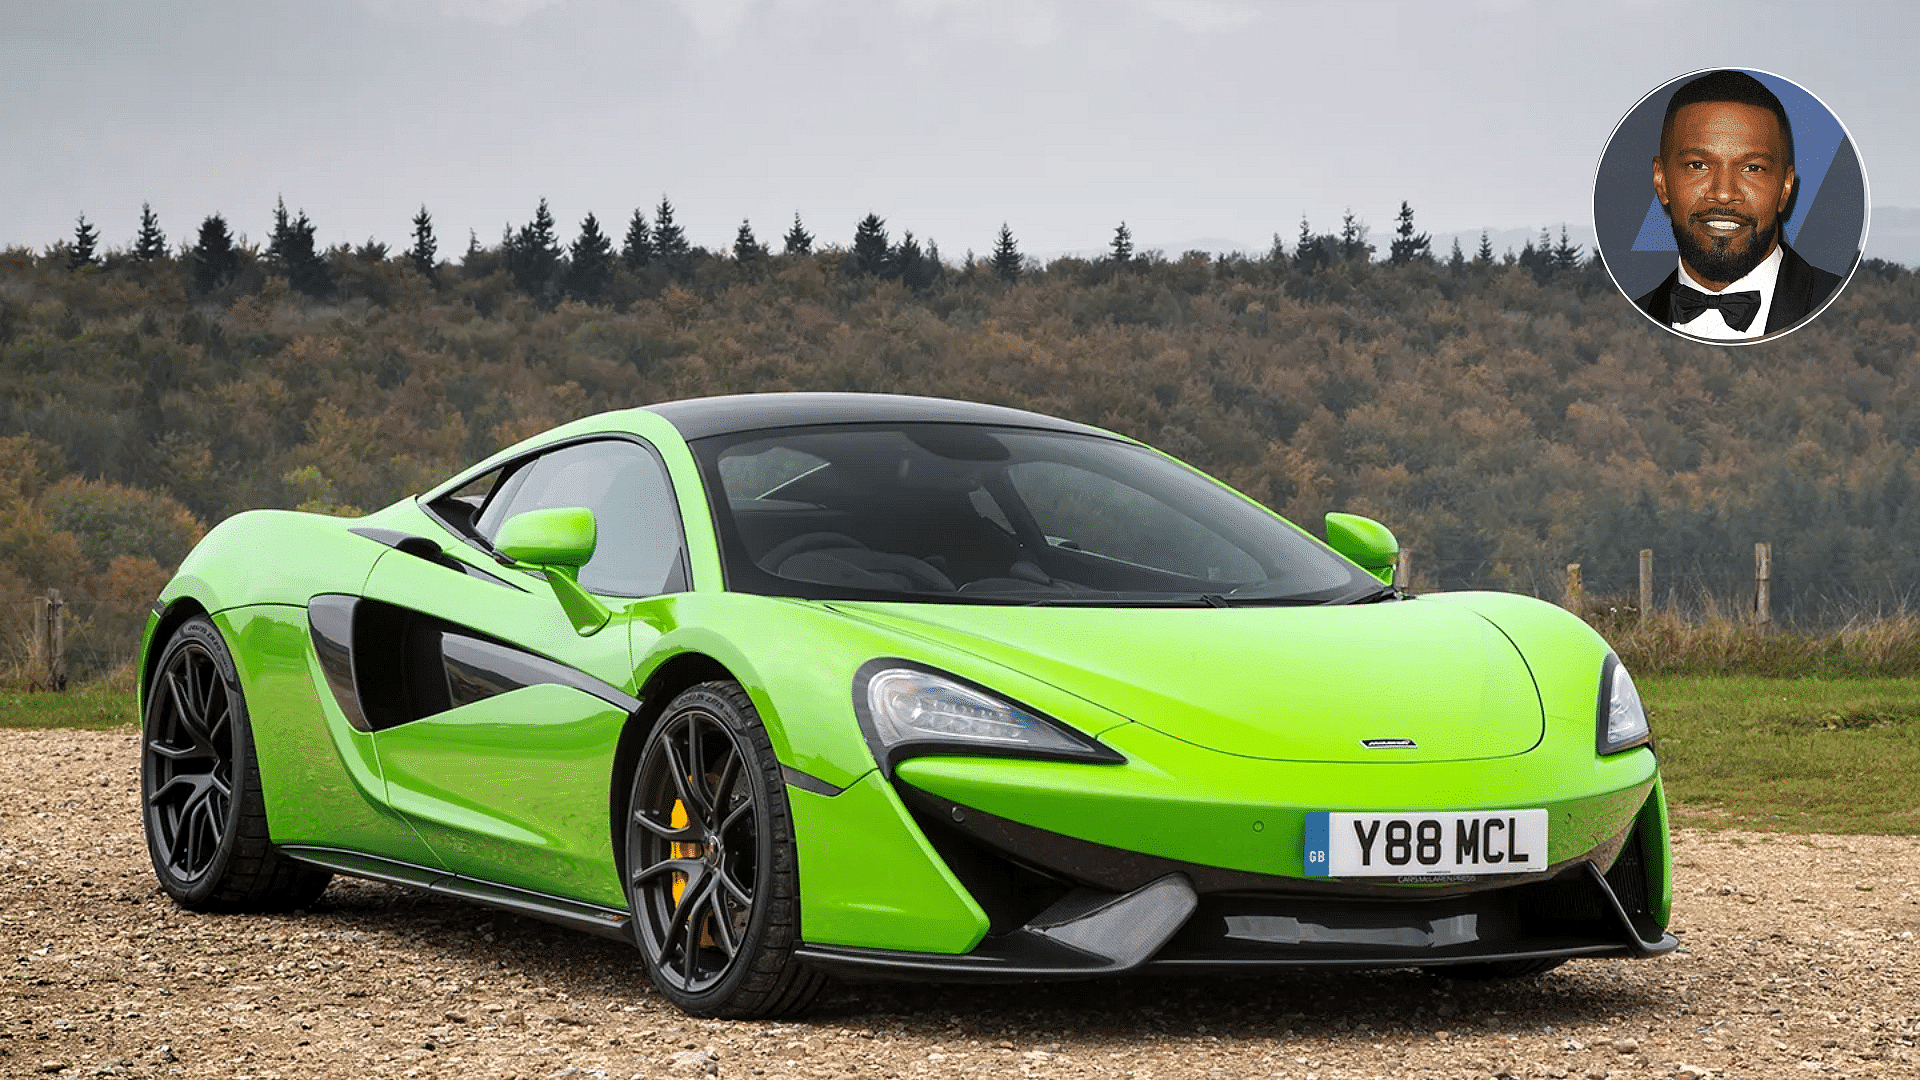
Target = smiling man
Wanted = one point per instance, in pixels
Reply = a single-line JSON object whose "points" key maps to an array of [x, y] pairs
{"points": [[1725, 175]]}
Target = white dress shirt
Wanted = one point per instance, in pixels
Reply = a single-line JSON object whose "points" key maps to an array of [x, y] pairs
{"points": [[1712, 325]]}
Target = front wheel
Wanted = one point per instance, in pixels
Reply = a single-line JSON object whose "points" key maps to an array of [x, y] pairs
{"points": [[711, 872], [205, 816]]}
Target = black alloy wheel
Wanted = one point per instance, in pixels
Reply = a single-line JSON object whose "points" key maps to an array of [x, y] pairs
{"points": [[188, 760], [710, 864], [205, 818]]}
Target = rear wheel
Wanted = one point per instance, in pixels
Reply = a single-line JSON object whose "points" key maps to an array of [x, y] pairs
{"points": [[710, 865], [205, 818]]}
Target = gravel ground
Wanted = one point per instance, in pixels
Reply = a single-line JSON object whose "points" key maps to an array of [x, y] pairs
{"points": [[1798, 960]]}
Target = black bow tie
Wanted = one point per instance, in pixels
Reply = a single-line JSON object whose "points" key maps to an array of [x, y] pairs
{"points": [[1737, 308]]}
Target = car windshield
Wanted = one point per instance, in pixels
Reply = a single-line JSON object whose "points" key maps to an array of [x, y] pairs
{"points": [[964, 513]]}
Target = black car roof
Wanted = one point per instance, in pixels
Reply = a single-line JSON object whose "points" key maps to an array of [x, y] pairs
{"points": [[697, 418]]}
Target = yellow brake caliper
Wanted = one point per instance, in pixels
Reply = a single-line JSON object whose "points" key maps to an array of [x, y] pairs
{"points": [[678, 820]]}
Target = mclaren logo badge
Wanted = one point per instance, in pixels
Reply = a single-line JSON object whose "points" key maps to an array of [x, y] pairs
{"points": [[1390, 744]]}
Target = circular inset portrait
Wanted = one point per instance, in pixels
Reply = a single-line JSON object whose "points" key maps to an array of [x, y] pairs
{"points": [[1730, 206]]}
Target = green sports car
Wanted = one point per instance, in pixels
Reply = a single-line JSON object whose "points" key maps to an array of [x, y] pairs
{"points": [[784, 686]]}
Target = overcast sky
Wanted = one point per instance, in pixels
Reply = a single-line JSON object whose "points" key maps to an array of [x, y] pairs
{"points": [[1192, 120]]}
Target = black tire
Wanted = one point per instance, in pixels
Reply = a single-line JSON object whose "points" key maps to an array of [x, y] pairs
{"points": [[716, 898], [1489, 970], [205, 818]]}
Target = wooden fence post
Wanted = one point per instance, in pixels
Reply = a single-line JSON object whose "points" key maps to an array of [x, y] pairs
{"points": [[1646, 584], [47, 648], [57, 671], [37, 645], [1574, 600], [1763, 583], [1403, 569]]}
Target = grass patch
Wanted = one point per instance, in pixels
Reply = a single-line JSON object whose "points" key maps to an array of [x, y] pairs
{"points": [[75, 709], [1793, 755], [1887, 647]]}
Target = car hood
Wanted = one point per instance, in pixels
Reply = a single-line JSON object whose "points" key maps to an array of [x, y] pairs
{"points": [[1296, 684]]}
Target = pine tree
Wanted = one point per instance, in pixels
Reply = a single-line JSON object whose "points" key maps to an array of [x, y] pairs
{"points": [[150, 243], [937, 268], [1538, 258], [294, 252], [798, 240], [282, 233], [746, 247], [870, 247], [591, 269], [670, 241], [1529, 258], [533, 254], [912, 264], [215, 259], [1566, 254], [85, 239], [1277, 253], [1458, 259], [310, 274], [1484, 256], [638, 249], [1306, 250], [1006, 256], [1353, 238], [425, 249], [1121, 250], [1407, 245]]}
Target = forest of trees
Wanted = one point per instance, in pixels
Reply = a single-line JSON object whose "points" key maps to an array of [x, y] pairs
{"points": [[1505, 415]]}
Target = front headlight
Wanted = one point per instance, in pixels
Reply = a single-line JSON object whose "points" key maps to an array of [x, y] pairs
{"points": [[1623, 720], [908, 710]]}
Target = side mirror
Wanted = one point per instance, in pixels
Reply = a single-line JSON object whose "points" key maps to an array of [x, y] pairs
{"points": [[1366, 542], [557, 542]]}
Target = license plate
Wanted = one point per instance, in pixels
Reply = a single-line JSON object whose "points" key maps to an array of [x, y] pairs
{"points": [[1426, 845]]}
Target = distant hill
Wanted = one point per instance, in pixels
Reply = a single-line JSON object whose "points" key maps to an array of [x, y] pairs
{"points": [[1505, 421]]}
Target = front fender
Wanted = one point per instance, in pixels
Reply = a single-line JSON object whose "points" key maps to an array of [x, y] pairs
{"points": [[272, 557]]}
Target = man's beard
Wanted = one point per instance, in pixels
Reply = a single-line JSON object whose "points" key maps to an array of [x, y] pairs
{"points": [[1719, 261]]}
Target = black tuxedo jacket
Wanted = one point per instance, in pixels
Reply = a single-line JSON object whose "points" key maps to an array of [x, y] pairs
{"points": [[1797, 293]]}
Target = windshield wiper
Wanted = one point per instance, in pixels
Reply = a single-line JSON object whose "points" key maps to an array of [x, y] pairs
{"points": [[1251, 596], [1111, 599]]}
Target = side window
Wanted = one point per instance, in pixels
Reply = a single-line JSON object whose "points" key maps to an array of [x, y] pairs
{"points": [[632, 501], [460, 508]]}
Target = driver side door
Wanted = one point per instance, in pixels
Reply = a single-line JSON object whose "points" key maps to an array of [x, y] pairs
{"points": [[499, 748]]}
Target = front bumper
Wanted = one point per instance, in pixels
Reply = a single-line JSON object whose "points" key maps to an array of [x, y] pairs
{"points": [[956, 867], [1104, 911]]}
